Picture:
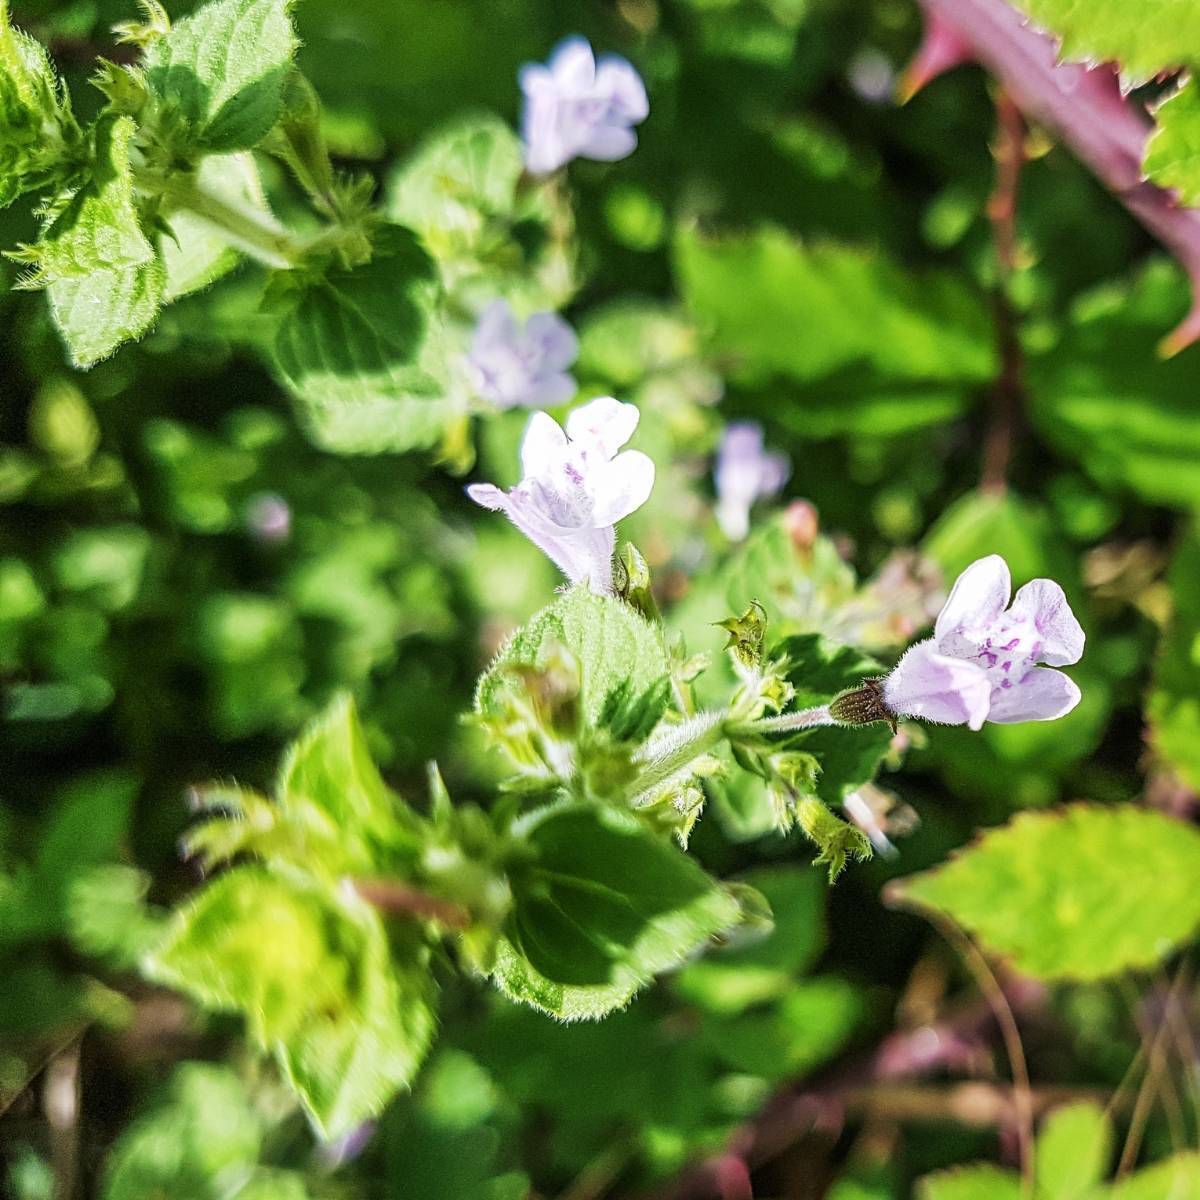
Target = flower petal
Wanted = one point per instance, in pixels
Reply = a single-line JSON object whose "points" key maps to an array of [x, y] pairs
{"points": [[978, 597], [1042, 695], [608, 143], [573, 66], [603, 423], [542, 445], [489, 495], [936, 687], [622, 86], [1043, 603], [549, 391], [554, 339], [621, 486]]}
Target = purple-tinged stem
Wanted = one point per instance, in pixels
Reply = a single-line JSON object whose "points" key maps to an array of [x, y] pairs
{"points": [[1082, 106]]}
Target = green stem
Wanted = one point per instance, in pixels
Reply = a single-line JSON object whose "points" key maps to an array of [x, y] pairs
{"points": [[805, 718], [672, 751], [251, 230]]}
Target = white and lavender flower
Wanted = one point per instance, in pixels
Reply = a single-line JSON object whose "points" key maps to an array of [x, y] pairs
{"points": [[512, 364], [578, 107], [745, 472], [575, 487], [982, 663]]}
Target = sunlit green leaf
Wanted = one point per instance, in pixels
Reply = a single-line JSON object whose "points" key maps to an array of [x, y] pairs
{"points": [[311, 970], [222, 69], [1073, 1150], [1050, 890], [603, 906]]}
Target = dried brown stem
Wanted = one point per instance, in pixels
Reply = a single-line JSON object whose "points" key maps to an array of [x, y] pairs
{"points": [[391, 897]]}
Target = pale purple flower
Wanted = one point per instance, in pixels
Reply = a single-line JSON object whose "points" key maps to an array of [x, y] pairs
{"points": [[575, 487], [513, 364], [981, 663], [576, 107], [745, 472], [268, 518]]}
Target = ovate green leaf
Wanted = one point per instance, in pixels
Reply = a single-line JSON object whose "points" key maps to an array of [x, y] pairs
{"points": [[97, 228], [362, 352], [34, 117], [1143, 36], [1053, 891], [311, 970], [604, 905], [1104, 396], [97, 312], [1176, 1178], [1073, 1150], [616, 649], [728, 981], [981, 1182], [200, 1142], [222, 69], [1173, 152], [891, 352]]}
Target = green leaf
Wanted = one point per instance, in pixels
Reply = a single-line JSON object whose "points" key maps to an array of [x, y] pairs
{"points": [[310, 968], [1072, 1154], [461, 192], [96, 313], [35, 122], [980, 1182], [618, 652], [221, 71], [1173, 1179], [1172, 157], [604, 905], [907, 349], [362, 351], [331, 769], [1104, 396], [199, 1142], [97, 228], [463, 176], [729, 981], [1143, 36], [809, 1024], [1052, 891], [1173, 709]]}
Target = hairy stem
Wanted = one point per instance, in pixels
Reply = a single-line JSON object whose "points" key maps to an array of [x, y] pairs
{"points": [[669, 753], [804, 718], [254, 232]]}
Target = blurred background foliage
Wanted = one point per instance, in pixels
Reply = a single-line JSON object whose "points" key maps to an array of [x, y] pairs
{"points": [[185, 579]]}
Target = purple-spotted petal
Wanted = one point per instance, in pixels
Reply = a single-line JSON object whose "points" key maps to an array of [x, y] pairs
{"points": [[621, 486], [542, 445], [936, 687], [604, 424], [1041, 695], [978, 597], [1042, 603]]}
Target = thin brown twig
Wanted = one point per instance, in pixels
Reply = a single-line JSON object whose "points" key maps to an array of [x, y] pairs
{"points": [[392, 897], [1010, 1034], [1152, 1082], [1007, 398]]}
